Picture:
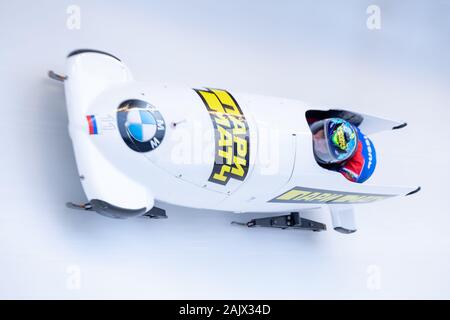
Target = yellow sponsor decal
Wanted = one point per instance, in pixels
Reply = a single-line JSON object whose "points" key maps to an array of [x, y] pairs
{"points": [[232, 142], [308, 195]]}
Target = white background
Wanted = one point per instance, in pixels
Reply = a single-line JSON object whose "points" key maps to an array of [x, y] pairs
{"points": [[321, 52]]}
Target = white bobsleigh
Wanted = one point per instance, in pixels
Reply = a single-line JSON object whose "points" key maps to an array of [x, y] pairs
{"points": [[206, 148]]}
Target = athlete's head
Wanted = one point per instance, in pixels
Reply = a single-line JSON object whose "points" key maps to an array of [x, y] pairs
{"points": [[334, 140]]}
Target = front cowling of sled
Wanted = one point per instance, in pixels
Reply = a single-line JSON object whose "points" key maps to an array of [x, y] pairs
{"points": [[111, 192]]}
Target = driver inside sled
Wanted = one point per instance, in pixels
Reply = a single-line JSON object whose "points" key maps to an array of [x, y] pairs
{"points": [[339, 145]]}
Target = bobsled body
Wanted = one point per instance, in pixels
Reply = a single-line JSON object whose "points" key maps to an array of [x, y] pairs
{"points": [[136, 143]]}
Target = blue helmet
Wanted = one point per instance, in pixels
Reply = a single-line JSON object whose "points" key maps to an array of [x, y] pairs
{"points": [[334, 140]]}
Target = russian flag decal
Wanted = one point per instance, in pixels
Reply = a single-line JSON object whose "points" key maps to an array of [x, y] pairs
{"points": [[92, 124]]}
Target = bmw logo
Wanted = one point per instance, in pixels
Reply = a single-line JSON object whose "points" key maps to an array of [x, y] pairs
{"points": [[141, 125]]}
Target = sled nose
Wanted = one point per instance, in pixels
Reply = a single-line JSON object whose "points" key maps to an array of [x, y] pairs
{"points": [[89, 73]]}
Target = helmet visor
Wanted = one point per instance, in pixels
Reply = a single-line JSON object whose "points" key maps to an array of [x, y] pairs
{"points": [[334, 140]]}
